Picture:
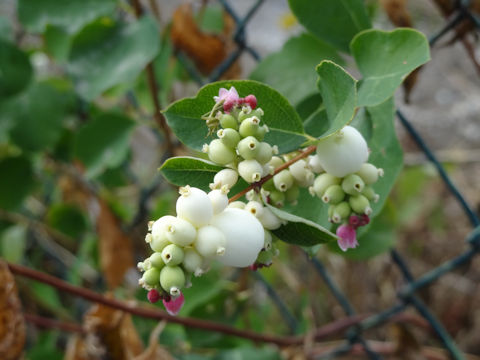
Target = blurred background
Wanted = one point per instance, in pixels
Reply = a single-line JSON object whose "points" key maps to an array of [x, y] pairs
{"points": [[81, 139]]}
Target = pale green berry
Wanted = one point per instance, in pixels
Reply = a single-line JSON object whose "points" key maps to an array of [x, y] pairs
{"points": [[244, 113], [265, 153], [301, 173], [277, 198], [219, 199], [343, 153], [291, 195], [258, 112], [172, 279], [156, 260], [220, 153], [225, 177], [269, 220], [195, 206], [250, 170], [210, 241], [244, 236], [151, 277], [249, 126], [333, 194], [265, 257], [181, 232], [158, 239], [283, 180], [229, 137], [248, 148], [237, 205], [341, 212], [192, 262], [322, 182], [360, 204], [276, 162], [369, 173], [353, 184], [370, 194], [268, 240], [331, 209], [172, 255], [227, 121], [261, 132]]}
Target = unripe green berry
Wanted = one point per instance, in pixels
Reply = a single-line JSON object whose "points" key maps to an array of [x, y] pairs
{"points": [[331, 210], [157, 243], [333, 195], [276, 162], [227, 121], [249, 127], [225, 177], [268, 241], [369, 173], [265, 257], [265, 153], [172, 255], [192, 262], [360, 204], [172, 279], [248, 148], [277, 198], [181, 232], [220, 153], [370, 194], [353, 184], [156, 260], [283, 180], [158, 238], [322, 182], [261, 132], [244, 114], [341, 212], [250, 170], [151, 277], [258, 112], [291, 195], [229, 137]]}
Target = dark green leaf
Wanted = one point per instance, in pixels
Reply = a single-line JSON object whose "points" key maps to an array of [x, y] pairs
{"points": [[72, 15], [103, 142], [104, 54], [291, 70], [385, 59], [286, 130], [57, 42], [334, 21], [338, 90], [68, 219], [16, 181], [38, 117], [15, 69]]}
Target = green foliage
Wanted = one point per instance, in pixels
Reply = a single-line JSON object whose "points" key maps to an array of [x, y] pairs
{"points": [[13, 243], [333, 21], [105, 54], [57, 42], [286, 129], [71, 15], [385, 59], [103, 142], [67, 219], [16, 181], [15, 69], [289, 71]]}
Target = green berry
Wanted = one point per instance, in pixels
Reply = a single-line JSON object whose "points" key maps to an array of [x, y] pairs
{"points": [[229, 137], [265, 257], [369, 173], [370, 194], [283, 180], [227, 121], [333, 195], [151, 277], [268, 240], [277, 198], [341, 212], [249, 126], [172, 279], [353, 184], [248, 148], [261, 132], [265, 153], [172, 255], [157, 243], [156, 260], [322, 182], [244, 114], [360, 204], [291, 195], [276, 162], [258, 112], [250, 170], [220, 153]]}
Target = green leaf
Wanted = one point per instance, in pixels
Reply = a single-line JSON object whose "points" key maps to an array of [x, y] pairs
{"points": [[291, 70], [186, 170], [249, 353], [57, 42], [38, 117], [210, 19], [68, 219], [301, 231], [333, 21], [104, 54], [338, 90], [385, 59], [103, 142], [15, 69], [12, 243], [286, 129], [16, 181], [72, 15]]}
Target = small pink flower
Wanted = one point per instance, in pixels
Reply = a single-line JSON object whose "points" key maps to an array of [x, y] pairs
{"points": [[153, 296], [348, 237], [173, 305], [230, 97]]}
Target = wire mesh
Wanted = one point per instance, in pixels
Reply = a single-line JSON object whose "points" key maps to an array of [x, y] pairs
{"points": [[407, 294]]}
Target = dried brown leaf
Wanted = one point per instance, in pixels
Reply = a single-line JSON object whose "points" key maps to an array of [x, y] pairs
{"points": [[397, 12], [77, 349], [12, 323], [154, 350]]}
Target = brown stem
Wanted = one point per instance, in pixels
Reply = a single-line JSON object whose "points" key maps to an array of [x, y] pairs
{"points": [[305, 153], [153, 87], [48, 323]]}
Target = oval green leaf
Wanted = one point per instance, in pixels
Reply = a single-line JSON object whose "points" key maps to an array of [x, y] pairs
{"points": [[16, 181], [15, 69]]}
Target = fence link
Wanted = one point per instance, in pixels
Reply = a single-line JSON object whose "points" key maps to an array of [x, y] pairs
{"points": [[407, 294]]}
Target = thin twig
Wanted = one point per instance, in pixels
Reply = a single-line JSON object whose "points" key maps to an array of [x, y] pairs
{"points": [[48, 323], [257, 184], [153, 87]]}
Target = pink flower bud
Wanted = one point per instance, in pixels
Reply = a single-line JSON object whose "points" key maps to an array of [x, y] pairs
{"points": [[348, 237], [173, 305], [153, 296], [251, 100]]}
